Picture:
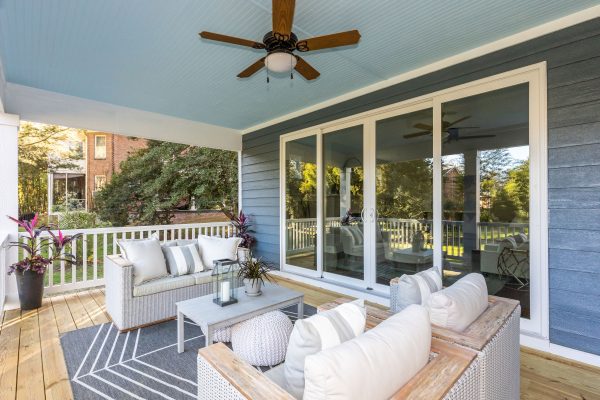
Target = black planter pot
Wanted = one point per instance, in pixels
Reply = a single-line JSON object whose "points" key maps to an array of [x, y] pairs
{"points": [[31, 289]]}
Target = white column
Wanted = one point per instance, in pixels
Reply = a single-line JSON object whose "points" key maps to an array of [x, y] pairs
{"points": [[471, 203], [9, 128]]}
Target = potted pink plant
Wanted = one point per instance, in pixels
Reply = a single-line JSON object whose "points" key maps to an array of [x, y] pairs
{"points": [[242, 226], [37, 257]]}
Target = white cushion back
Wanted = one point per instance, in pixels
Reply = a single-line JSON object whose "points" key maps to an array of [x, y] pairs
{"points": [[416, 289], [374, 365], [321, 331], [216, 248], [457, 306], [147, 258]]}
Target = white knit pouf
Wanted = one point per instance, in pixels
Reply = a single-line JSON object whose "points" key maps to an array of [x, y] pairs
{"points": [[263, 340], [222, 335]]}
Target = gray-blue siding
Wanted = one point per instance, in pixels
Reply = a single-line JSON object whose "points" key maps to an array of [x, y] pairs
{"points": [[573, 57]]}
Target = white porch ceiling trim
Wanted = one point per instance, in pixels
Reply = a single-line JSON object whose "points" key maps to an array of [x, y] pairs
{"points": [[38, 105], [523, 36]]}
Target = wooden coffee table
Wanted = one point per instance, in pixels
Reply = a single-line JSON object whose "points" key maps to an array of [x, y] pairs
{"points": [[209, 316]]}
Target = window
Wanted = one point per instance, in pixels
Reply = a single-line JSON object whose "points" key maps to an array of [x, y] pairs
{"points": [[99, 182], [100, 147]]}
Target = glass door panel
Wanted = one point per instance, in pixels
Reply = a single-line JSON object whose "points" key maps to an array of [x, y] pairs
{"points": [[404, 195], [343, 203], [485, 191], [301, 203]]}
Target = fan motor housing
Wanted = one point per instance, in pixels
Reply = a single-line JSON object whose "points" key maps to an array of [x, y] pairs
{"points": [[276, 42]]}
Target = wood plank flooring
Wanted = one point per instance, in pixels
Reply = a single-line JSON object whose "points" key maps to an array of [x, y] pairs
{"points": [[32, 364]]}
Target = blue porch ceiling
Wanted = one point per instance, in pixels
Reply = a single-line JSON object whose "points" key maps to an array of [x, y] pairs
{"points": [[146, 54]]}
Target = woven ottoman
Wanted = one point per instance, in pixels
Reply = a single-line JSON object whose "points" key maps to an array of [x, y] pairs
{"points": [[222, 335], [262, 340]]}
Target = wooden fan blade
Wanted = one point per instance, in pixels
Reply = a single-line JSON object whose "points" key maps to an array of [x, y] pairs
{"points": [[306, 70], [251, 70], [329, 41], [231, 39], [416, 134], [425, 127], [449, 124], [283, 17], [475, 137]]}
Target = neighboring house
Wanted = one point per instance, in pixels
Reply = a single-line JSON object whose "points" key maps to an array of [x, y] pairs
{"points": [[102, 154], [105, 153]]}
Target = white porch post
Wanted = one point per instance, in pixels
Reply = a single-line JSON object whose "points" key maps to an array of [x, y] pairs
{"points": [[9, 128]]}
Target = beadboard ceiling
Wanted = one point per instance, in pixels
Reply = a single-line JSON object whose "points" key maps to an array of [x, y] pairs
{"points": [[146, 54]]}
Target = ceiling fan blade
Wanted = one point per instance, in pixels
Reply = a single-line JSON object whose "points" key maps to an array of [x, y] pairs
{"points": [[251, 70], [306, 70], [283, 17], [231, 39], [475, 137], [425, 127], [416, 134], [449, 124], [329, 41]]}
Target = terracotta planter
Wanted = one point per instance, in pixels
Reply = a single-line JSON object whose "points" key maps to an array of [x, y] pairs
{"points": [[253, 287], [31, 289]]}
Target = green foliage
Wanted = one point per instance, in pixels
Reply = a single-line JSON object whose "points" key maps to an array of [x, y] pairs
{"points": [[36, 144], [157, 180], [81, 220]]}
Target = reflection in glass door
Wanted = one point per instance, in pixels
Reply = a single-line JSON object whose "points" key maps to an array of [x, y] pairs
{"points": [[485, 191], [404, 195], [343, 203], [301, 203]]}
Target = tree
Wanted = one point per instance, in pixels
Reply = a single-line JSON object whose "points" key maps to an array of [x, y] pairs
{"points": [[42, 150], [157, 180]]}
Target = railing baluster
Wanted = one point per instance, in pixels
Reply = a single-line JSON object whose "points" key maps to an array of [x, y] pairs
{"points": [[74, 265], [50, 267], [84, 255], [95, 255]]}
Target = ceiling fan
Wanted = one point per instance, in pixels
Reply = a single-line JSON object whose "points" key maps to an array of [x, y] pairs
{"points": [[280, 44], [447, 127]]}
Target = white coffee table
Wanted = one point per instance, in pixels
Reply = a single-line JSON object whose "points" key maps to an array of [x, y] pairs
{"points": [[209, 316]]}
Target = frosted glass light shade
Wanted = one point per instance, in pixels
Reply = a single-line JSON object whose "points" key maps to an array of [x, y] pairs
{"points": [[280, 62]]}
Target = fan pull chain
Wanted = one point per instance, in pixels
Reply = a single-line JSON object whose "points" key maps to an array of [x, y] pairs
{"points": [[291, 67], [267, 60]]}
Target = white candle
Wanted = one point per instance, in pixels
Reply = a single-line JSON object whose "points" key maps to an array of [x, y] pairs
{"points": [[225, 291]]}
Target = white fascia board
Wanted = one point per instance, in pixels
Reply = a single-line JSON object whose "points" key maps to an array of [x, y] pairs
{"points": [[37, 105]]}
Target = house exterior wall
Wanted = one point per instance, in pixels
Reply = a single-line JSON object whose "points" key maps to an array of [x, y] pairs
{"points": [[118, 148], [573, 60]]}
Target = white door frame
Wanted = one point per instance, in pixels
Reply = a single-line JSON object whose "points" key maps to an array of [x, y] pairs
{"points": [[535, 76]]}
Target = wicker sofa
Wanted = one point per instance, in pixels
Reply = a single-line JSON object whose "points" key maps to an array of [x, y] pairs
{"points": [[451, 373], [494, 336], [132, 306]]}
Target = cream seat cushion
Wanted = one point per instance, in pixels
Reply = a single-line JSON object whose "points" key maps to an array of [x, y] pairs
{"points": [[457, 306], [215, 248], [147, 258], [163, 284], [203, 277], [374, 365]]}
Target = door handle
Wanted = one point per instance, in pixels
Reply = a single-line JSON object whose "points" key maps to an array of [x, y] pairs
{"points": [[372, 215], [362, 215]]}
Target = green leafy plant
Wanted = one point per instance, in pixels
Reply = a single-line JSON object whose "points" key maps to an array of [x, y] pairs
{"points": [[255, 269]]}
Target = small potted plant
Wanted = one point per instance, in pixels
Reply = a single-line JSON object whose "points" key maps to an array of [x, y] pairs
{"points": [[39, 253], [254, 271], [242, 226]]}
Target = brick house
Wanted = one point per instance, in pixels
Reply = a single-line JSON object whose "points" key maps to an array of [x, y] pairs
{"points": [[105, 152]]}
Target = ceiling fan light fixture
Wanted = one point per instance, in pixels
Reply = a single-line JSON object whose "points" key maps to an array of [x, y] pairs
{"points": [[280, 62]]}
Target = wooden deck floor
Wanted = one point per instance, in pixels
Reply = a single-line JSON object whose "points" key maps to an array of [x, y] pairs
{"points": [[32, 364]]}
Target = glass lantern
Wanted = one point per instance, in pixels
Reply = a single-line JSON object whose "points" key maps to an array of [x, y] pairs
{"points": [[224, 282]]}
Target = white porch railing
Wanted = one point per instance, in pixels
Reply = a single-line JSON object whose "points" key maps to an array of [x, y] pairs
{"points": [[301, 233], [95, 244]]}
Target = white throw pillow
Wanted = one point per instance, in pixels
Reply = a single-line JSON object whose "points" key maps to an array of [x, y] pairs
{"points": [[216, 248], [376, 364], [183, 260], [415, 289], [318, 332], [457, 306], [147, 258]]}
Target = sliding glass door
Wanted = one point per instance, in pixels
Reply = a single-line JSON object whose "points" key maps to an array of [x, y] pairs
{"points": [[454, 181]]}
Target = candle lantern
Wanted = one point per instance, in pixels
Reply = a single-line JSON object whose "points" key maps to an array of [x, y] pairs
{"points": [[224, 282]]}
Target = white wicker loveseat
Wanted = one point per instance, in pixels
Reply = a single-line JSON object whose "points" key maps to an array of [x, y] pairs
{"points": [[451, 373], [132, 306], [494, 336]]}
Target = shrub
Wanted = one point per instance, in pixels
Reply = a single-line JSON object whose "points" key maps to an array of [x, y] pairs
{"points": [[81, 220]]}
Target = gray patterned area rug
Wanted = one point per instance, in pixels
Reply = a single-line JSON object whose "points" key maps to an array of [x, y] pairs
{"points": [[141, 364]]}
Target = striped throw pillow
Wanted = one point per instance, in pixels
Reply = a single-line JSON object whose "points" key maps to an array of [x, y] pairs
{"points": [[182, 260], [319, 332]]}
